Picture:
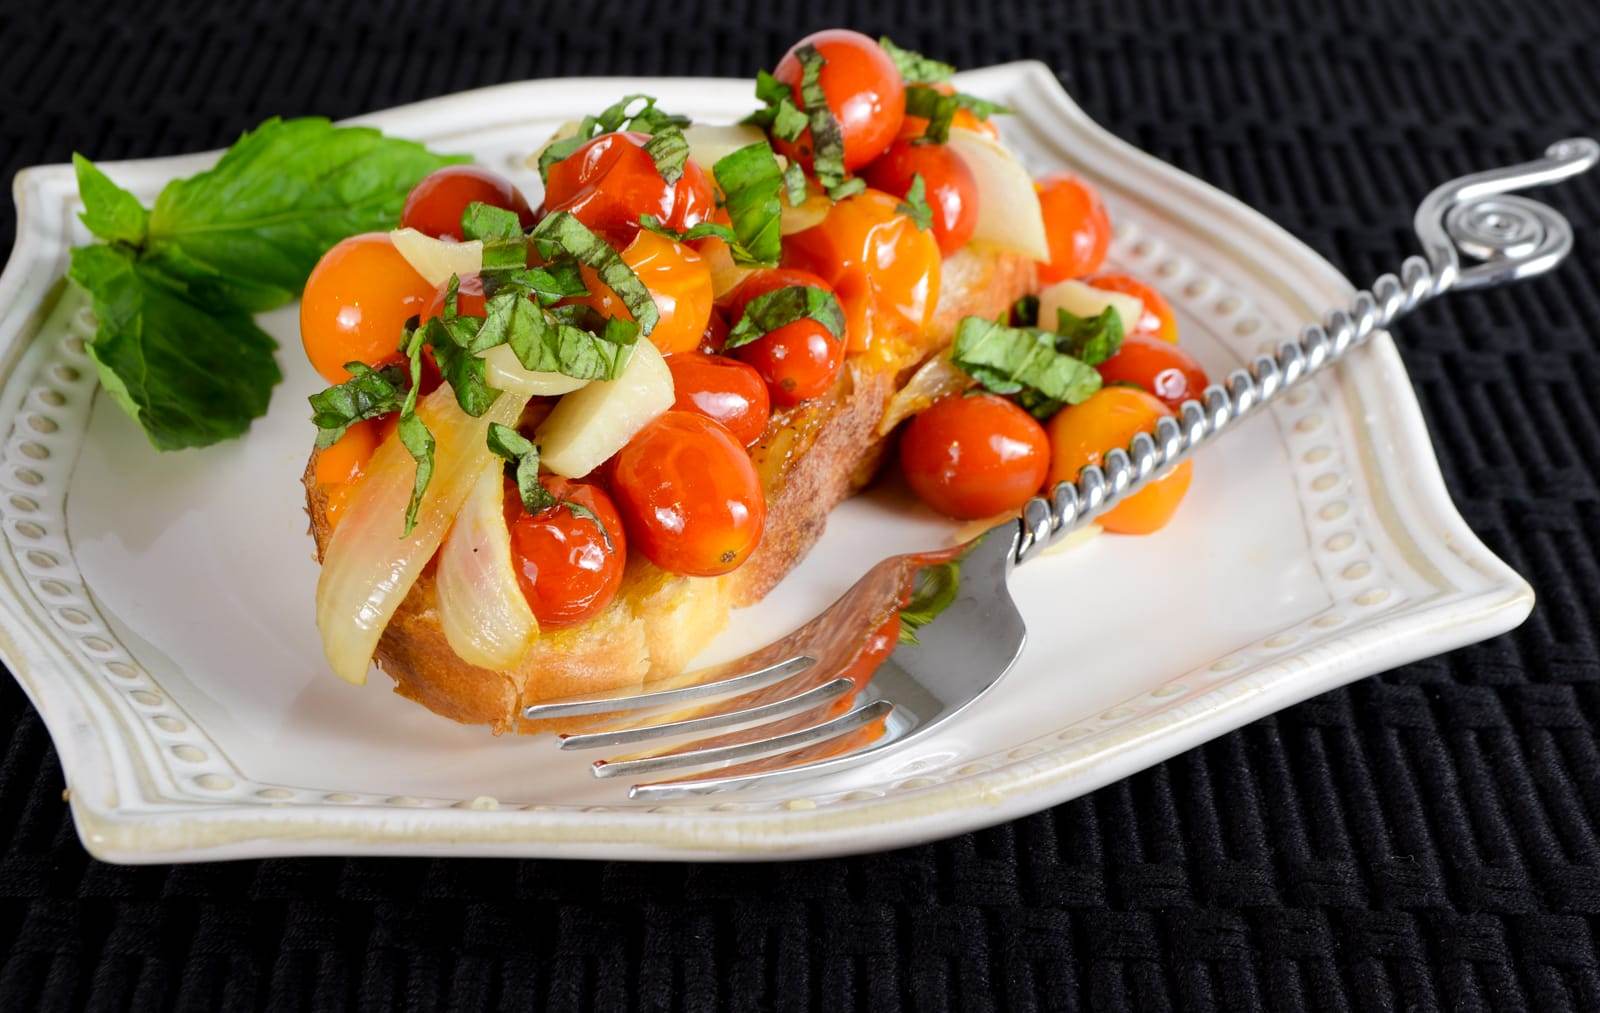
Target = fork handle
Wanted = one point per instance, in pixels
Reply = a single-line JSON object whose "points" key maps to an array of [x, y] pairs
{"points": [[1510, 238]]}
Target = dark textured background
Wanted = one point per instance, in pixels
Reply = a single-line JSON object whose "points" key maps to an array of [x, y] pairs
{"points": [[1425, 839]]}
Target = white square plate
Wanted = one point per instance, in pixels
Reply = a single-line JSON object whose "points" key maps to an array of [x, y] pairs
{"points": [[157, 608]]}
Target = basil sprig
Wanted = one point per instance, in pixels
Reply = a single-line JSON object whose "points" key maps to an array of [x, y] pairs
{"points": [[632, 112], [783, 306], [1024, 363]]}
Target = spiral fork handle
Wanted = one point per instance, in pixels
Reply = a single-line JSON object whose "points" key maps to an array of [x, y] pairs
{"points": [[1476, 218]]}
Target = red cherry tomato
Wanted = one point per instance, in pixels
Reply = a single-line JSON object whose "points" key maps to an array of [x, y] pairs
{"points": [[356, 303], [611, 181], [976, 456], [1156, 367], [689, 495], [799, 361], [723, 389], [435, 204], [568, 567], [1075, 225], [1158, 320], [864, 91], [469, 298], [950, 188], [716, 333]]}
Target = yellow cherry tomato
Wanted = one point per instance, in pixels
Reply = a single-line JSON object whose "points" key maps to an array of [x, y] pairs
{"points": [[679, 280], [1081, 434]]}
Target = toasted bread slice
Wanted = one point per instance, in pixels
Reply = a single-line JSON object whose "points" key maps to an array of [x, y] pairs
{"points": [[811, 457]]}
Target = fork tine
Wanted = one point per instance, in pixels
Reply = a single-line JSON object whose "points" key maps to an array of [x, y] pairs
{"points": [[760, 712], [601, 703], [723, 756]]}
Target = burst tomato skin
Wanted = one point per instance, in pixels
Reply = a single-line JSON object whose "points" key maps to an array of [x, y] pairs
{"points": [[974, 456], [1081, 434], [1158, 320], [356, 303], [1076, 227], [690, 497], [799, 361], [864, 92], [611, 181], [950, 188], [1154, 366], [435, 204], [568, 568], [723, 389], [679, 281]]}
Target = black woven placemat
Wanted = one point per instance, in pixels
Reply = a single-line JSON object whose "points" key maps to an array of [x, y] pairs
{"points": [[1426, 839]]}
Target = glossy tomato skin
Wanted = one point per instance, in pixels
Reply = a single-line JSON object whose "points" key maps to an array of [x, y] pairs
{"points": [[798, 361], [356, 303], [722, 389], [863, 88], [950, 188], [1154, 366], [679, 281], [689, 495], [342, 465], [611, 181], [569, 570], [885, 270], [435, 204], [972, 456], [1076, 227], [1081, 434], [1158, 320]]}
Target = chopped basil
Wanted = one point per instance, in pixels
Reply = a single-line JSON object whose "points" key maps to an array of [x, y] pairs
{"points": [[780, 307], [562, 234], [779, 116], [524, 453], [625, 114], [914, 67], [751, 183], [1091, 339], [915, 205], [849, 188], [794, 182], [827, 137], [940, 109], [1022, 362], [669, 149], [505, 248], [368, 394], [413, 432]]}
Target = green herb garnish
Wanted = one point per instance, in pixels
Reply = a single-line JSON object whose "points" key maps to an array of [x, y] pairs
{"points": [[413, 432], [794, 183], [827, 137], [915, 203], [914, 67], [669, 149], [632, 112], [560, 234], [780, 307], [778, 114], [1091, 339], [500, 231], [940, 109], [368, 394], [752, 183], [524, 453], [1022, 362]]}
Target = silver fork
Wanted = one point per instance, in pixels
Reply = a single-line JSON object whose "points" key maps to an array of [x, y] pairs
{"points": [[810, 703]]}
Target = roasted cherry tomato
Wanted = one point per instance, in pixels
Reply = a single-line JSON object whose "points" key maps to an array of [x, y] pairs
{"points": [[1156, 367], [679, 281], [1158, 320], [611, 181], [723, 389], [715, 334], [689, 495], [864, 91], [356, 303], [570, 566], [435, 204], [341, 465], [949, 187], [1075, 225], [1081, 434], [974, 456], [915, 126], [883, 268], [799, 361]]}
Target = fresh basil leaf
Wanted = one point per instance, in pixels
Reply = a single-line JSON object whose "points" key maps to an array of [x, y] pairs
{"points": [[783, 306], [669, 149], [751, 183], [982, 108], [561, 233], [827, 137], [1091, 339], [779, 116], [934, 591], [625, 114], [934, 106], [418, 441], [548, 284], [544, 343], [1023, 362], [524, 453], [794, 183], [462, 368], [915, 205], [368, 394], [582, 512], [109, 211], [190, 373], [914, 67], [280, 197]]}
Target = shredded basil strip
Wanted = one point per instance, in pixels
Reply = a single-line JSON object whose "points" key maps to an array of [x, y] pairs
{"points": [[582, 512], [827, 137], [915, 204], [669, 149], [752, 184], [940, 109], [560, 233], [368, 394], [779, 116], [703, 230], [780, 307], [505, 248], [413, 432], [914, 67], [625, 114], [1022, 362], [1092, 339], [794, 182], [524, 453], [935, 590]]}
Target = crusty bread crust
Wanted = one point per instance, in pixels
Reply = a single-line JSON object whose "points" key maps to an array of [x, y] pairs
{"points": [[811, 458]]}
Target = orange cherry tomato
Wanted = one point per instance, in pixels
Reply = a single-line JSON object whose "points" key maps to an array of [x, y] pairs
{"points": [[341, 466], [356, 303], [915, 126], [950, 188], [863, 89], [974, 456], [723, 389], [1158, 320], [679, 281], [1166, 371], [883, 268], [611, 181], [799, 361], [435, 204], [1075, 225], [568, 567], [1081, 434], [689, 495]]}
